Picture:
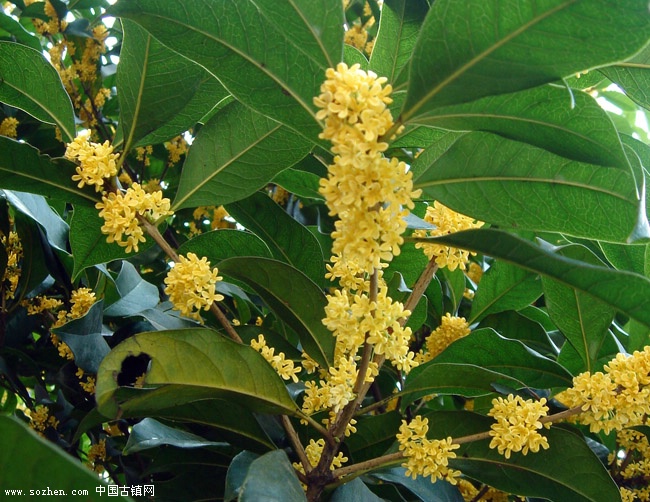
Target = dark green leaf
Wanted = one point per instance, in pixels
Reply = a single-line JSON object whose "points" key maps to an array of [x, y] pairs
{"points": [[288, 240], [272, 478], [155, 86], [271, 56], [624, 291], [422, 487], [354, 490], [29, 462], [504, 287], [487, 349], [583, 319], [136, 294], [235, 154], [294, 298], [20, 34], [471, 49], [225, 243], [29, 82], [515, 185], [237, 473], [302, 183], [375, 434], [150, 433], [572, 125], [517, 326], [399, 27], [219, 368], [22, 168]]}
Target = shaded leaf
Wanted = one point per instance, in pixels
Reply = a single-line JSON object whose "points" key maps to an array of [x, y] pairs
{"points": [[225, 243], [237, 474], [302, 183], [149, 433], [235, 154], [293, 296], [136, 294], [535, 189], [20, 34], [624, 291], [24, 169], [487, 349], [422, 487], [272, 478], [288, 240], [475, 48], [354, 490], [220, 368], [22, 459]]}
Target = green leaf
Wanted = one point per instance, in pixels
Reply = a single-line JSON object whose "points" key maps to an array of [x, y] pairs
{"points": [[504, 287], [354, 490], [635, 258], [288, 240], [237, 471], [302, 183], [455, 379], [572, 125], [399, 27], [29, 462], [468, 50], [150, 433], [271, 478], [225, 243], [135, 294], [633, 76], [271, 56], [517, 326], [292, 296], [487, 349], [624, 291], [20, 34], [516, 185], [235, 154], [422, 487], [375, 435], [583, 319], [155, 85], [219, 368], [24, 169], [88, 243], [29, 82]]}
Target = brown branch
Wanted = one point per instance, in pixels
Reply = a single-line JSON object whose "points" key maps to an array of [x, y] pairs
{"points": [[295, 442]]}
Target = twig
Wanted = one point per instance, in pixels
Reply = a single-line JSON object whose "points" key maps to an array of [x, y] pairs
{"points": [[295, 442]]}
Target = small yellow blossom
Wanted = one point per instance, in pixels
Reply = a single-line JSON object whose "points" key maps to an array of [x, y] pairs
{"points": [[121, 210], [96, 162], [40, 304], [176, 147], [88, 384], [40, 419], [191, 285], [97, 455], [284, 367], [446, 222], [517, 424], [314, 450], [12, 272], [9, 127], [142, 154], [356, 36], [426, 457], [451, 329]]}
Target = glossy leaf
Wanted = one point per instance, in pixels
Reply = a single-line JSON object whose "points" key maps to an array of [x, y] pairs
{"points": [[303, 184], [375, 435], [237, 471], [288, 240], [135, 294], [474, 49], [569, 124], [20, 34], [155, 86], [149, 433], [633, 76], [30, 462], [504, 287], [515, 185], [271, 477], [235, 154], [422, 487], [543, 474], [487, 349], [354, 490], [623, 291], [29, 82], [225, 243], [220, 368], [399, 27], [277, 74], [583, 319], [293, 296], [24, 169]]}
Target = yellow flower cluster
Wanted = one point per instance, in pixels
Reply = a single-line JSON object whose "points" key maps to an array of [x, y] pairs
{"points": [[470, 492], [11, 276], [517, 425], [426, 457], [630, 464], [451, 329], [191, 285], [89, 384], [216, 216], [97, 455], [176, 147], [40, 304], [283, 366], [367, 191], [314, 450], [446, 222], [51, 27], [121, 211], [142, 154], [96, 162], [615, 399], [40, 419], [9, 127]]}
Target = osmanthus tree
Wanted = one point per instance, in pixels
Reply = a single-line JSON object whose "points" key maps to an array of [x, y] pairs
{"points": [[313, 250]]}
